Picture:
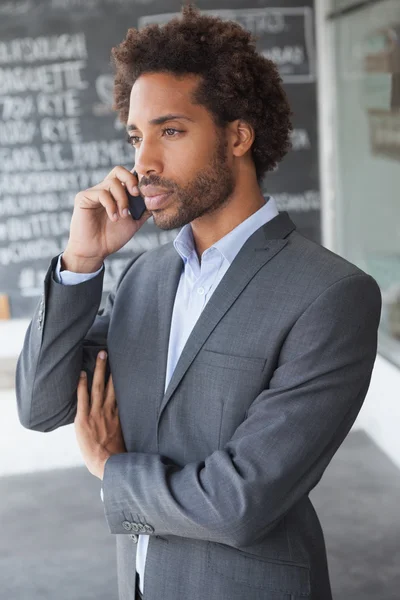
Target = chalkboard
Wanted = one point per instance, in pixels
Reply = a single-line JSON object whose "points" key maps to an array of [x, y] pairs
{"points": [[59, 135]]}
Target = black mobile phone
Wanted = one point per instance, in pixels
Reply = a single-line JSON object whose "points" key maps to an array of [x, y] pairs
{"points": [[137, 205]]}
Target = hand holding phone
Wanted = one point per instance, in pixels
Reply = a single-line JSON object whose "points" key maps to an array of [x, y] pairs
{"points": [[103, 221], [137, 205]]}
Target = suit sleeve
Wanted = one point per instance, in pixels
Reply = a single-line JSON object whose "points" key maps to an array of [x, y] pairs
{"points": [[71, 278], [65, 335], [280, 451]]}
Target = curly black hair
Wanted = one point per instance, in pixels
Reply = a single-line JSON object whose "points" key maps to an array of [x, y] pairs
{"points": [[236, 81]]}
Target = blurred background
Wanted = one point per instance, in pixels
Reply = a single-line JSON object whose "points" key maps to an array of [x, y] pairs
{"points": [[340, 63]]}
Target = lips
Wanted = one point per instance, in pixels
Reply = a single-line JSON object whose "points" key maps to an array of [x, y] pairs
{"points": [[158, 201]]}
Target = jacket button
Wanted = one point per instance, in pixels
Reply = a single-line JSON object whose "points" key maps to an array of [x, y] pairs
{"points": [[134, 527], [126, 525], [141, 528], [134, 538], [149, 528]]}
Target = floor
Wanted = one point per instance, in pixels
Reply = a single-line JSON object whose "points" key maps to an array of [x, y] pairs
{"points": [[55, 543]]}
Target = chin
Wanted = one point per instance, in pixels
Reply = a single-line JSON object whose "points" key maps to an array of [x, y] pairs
{"points": [[167, 219], [165, 223]]}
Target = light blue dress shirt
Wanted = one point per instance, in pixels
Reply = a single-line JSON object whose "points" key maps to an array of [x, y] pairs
{"points": [[196, 286]]}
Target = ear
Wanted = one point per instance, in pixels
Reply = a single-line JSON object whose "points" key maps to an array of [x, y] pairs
{"points": [[242, 137]]}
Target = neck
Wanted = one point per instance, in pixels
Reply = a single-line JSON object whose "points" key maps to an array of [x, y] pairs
{"points": [[210, 228]]}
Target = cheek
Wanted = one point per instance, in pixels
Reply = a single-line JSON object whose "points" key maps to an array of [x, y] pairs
{"points": [[195, 151], [184, 159]]}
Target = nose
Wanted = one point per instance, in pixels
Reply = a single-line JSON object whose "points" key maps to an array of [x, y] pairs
{"points": [[146, 160]]}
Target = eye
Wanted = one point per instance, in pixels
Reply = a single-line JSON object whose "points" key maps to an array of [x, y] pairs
{"points": [[168, 132], [132, 139], [169, 129]]}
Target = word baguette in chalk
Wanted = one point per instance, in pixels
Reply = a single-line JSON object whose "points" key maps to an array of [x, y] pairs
{"points": [[43, 78]]}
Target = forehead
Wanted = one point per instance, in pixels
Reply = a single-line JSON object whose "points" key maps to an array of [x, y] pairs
{"points": [[155, 94]]}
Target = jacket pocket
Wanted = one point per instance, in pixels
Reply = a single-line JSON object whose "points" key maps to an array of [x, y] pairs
{"points": [[231, 361], [259, 573]]}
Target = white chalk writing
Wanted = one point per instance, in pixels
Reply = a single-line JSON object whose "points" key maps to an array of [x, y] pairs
{"points": [[15, 7], [46, 181], [294, 55], [60, 156], [300, 139], [59, 105], [56, 47], [30, 250], [33, 203], [60, 130], [47, 78], [33, 226], [16, 132], [304, 202], [16, 108]]}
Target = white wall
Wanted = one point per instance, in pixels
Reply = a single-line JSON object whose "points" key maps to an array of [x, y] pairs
{"points": [[380, 414], [21, 450], [12, 334], [24, 451]]}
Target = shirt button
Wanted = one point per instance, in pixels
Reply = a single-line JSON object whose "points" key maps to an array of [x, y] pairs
{"points": [[134, 538], [200, 290]]}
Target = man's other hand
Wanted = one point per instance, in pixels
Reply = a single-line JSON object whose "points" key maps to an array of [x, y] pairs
{"points": [[97, 425]]}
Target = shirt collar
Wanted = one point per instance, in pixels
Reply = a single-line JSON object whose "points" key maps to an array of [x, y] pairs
{"points": [[231, 243]]}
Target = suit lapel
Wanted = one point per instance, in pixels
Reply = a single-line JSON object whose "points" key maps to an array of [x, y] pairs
{"points": [[259, 249], [169, 273]]}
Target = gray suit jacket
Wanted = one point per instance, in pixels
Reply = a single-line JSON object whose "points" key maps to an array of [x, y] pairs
{"points": [[219, 468]]}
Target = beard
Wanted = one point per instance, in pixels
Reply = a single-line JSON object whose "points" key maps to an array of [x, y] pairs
{"points": [[206, 193]]}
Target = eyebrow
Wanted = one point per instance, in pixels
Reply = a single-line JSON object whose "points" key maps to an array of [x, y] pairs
{"points": [[160, 121]]}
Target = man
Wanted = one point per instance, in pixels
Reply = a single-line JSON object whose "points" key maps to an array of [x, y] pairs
{"points": [[240, 354]]}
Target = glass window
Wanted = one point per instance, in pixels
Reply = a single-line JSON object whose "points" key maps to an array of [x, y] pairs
{"points": [[367, 47]]}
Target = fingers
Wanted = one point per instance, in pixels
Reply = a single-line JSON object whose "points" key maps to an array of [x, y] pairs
{"points": [[111, 193], [99, 381], [111, 196], [116, 199], [128, 178], [135, 187], [83, 404], [110, 400], [100, 398]]}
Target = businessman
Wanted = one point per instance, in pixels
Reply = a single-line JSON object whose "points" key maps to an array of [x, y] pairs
{"points": [[240, 353]]}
